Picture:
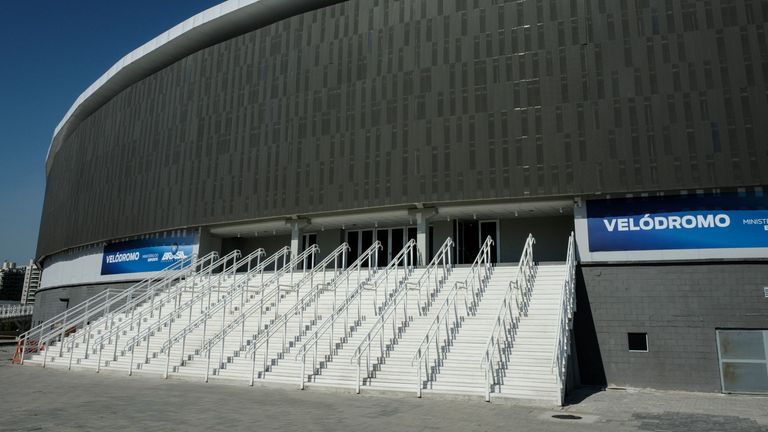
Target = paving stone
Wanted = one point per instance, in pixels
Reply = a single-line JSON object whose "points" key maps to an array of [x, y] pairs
{"points": [[37, 399]]}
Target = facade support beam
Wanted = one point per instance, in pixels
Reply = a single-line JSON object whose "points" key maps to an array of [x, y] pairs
{"points": [[422, 233], [296, 226]]}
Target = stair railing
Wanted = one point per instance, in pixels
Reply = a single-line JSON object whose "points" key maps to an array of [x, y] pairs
{"points": [[567, 308], [203, 297], [205, 316], [502, 334], [479, 274], [369, 256], [239, 321], [114, 330], [338, 258], [431, 279], [100, 305]]}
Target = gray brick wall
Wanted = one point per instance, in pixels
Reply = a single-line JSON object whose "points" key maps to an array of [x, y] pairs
{"points": [[679, 306]]}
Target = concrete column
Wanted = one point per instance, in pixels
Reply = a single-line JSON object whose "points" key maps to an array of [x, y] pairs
{"points": [[422, 240], [295, 239]]}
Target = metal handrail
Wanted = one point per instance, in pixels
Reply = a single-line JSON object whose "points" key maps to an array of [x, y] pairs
{"points": [[443, 255], [112, 330], [521, 288], [444, 249], [308, 298], [274, 278], [568, 307], [209, 285], [311, 297], [203, 318], [221, 335], [60, 320], [370, 255], [171, 293], [206, 290], [482, 262], [212, 257], [103, 302]]}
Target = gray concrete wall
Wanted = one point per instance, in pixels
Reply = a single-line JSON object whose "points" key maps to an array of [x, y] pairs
{"points": [[270, 244], [551, 234], [679, 306], [208, 243]]}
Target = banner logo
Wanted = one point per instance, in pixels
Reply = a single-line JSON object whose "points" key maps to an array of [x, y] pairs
{"points": [[684, 222], [147, 255]]}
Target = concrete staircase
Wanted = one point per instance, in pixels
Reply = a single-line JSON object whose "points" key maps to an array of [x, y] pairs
{"points": [[395, 371], [528, 369], [81, 349], [337, 368], [524, 369], [238, 362]]}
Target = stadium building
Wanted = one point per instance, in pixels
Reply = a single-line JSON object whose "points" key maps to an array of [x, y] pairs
{"points": [[638, 126]]}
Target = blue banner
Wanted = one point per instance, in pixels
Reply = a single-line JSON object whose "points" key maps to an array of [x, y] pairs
{"points": [[146, 255], [723, 221]]}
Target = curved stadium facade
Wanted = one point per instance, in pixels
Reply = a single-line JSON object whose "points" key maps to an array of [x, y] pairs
{"points": [[276, 123]]}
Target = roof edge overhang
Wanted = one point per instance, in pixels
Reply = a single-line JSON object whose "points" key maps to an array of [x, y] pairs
{"points": [[210, 27]]}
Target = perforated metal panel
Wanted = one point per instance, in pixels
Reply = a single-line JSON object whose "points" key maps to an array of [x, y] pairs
{"points": [[376, 103]]}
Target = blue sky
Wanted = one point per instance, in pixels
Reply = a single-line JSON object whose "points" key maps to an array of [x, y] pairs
{"points": [[52, 50]]}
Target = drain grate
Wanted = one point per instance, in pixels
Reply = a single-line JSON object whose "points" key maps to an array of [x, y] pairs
{"points": [[566, 417]]}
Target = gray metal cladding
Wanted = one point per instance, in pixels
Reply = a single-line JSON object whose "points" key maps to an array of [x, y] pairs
{"points": [[372, 103]]}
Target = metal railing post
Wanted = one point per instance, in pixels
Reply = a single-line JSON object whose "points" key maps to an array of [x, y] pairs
{"points": [[61, 338]]}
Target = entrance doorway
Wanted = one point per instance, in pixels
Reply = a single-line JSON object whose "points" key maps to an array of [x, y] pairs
{"points": [[471, 234], [743, 358], [392, 241], [306, 242]]}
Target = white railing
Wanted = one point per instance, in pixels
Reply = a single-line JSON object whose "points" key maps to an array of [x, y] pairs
{"points": [[202, 296], [205, 316], [15, 311], [479, 274], [137, 317], [220, 337], [430, 279], [67, 322], [502, 335], [370, 256], [567, 308], [339, 258]]}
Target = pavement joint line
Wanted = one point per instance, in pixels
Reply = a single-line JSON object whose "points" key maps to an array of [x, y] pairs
{"points": [[113, 400]]}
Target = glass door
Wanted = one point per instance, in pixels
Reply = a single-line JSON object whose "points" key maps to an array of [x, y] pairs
{"points": [[743, 360]]}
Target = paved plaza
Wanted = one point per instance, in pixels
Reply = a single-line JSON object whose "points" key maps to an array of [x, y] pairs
{"points": [[37, 399]]}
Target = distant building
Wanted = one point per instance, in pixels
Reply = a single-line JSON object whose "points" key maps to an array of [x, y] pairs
{"points": [[11, 282], [31, 283]]}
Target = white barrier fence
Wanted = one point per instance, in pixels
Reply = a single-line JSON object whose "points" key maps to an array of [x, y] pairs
{"points": [[15, 311]]}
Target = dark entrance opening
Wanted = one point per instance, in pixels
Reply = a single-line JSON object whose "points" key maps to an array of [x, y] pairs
{"points": [[352, 241], [467, 240], [489, 229], [383, 237]]}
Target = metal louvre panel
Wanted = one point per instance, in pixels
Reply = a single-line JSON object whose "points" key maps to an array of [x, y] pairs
{"points": [[373, 103]]}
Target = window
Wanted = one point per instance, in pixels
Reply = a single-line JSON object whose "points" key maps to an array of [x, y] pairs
{"points": [[637, 342]]}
